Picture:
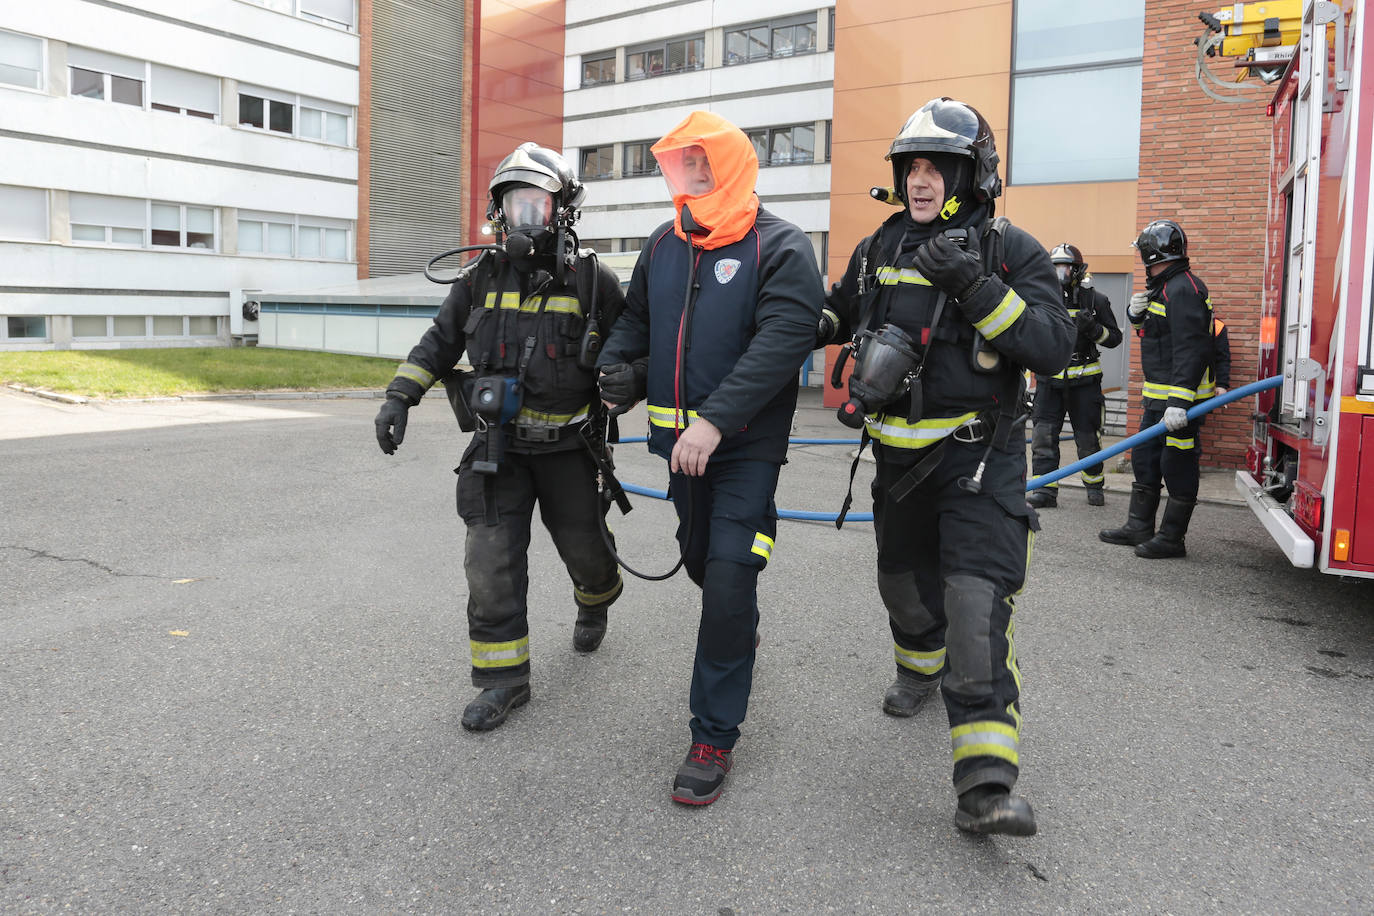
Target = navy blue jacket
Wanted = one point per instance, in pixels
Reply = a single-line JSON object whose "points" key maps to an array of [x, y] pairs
{"points": [[755, 304]]}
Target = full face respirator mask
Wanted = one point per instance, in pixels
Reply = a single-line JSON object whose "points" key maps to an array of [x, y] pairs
{"points": [[531, 240], [884, 366]]}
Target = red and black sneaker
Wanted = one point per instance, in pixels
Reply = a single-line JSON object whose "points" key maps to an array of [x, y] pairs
{"points": [[701, 777]]}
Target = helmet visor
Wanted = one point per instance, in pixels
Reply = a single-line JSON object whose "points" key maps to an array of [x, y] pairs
{"points": [[1064, 271], [687, 171], [526, 207]]}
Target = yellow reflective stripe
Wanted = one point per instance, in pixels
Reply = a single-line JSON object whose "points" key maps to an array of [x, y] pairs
{"points": [[1002, 317], [552, 419], [1156, 308], [891, 276], [985, 739], [898, 433], [669, 417], [1102, 335], [417, 374], [922, 662], [511, 300], [763, 545], [500, 654], [1085, 477], [1184, 444], [1083, 371], [593, 598], [1155, 391]]}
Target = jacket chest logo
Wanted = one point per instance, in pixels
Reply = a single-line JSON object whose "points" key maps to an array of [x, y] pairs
{"points": [[726, 268]]}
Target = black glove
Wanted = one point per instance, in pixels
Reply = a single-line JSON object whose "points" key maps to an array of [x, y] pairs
{"points": [[624, 384], [391, 416], [825, 328], [958, 271], [1088, 325]]}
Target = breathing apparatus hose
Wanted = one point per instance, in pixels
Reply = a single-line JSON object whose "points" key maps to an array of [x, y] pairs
{"points": [[466, 268]]}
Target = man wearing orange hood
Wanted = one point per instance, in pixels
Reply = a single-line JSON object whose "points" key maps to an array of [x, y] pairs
{"points": [[724, 304]]}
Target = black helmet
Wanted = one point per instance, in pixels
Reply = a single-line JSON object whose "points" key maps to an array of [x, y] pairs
{"points": [[540, 167], [1066, 254], [1162, 240], [945, 126]]}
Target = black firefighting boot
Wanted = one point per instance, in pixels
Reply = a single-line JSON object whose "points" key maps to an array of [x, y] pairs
{"points": [[1043, 498], [1140, 518], [907, 695], [490, 708], [1096, 497], [589, 629], [991, 808], [1172, 527]]}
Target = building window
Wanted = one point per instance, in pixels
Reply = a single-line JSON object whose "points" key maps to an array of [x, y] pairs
{"points": [[21, 60], [266, 233], [284, 235], [775, 38], [1076, 63], [324, 242], [597, 162], [266, 114], [109, 77], [318, 123], [90, 326], [338, 13], [266, 109], [26, 327], [634, 243], [108, 220], [183, 92], [662, 57], [180, 226], [600, 246], [598, 68], [639, 159], [23, 213], [784, 145]]}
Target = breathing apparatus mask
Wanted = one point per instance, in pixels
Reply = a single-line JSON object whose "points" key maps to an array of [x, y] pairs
{"points": [[530, 238], [884, 366]]}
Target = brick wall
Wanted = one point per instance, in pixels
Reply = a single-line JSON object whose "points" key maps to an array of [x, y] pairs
{"points": [[1205, 164]]}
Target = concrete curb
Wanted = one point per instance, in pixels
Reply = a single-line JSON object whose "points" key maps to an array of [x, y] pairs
{"points": [[360, 393]]}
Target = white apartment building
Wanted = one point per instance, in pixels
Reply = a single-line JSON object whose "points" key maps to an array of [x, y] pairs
{"points": [[155, 165], [634, 71]]}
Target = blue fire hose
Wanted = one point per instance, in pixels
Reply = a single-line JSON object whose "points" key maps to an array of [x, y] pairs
{"points": [[1146, 434]]}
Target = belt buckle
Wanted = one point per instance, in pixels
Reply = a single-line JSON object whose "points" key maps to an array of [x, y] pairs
{"points": [[972, 432], [530, 433]]}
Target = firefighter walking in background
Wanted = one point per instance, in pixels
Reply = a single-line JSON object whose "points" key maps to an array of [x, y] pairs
{"points": [[524, 317], [948, 307], [1173, 320], [1077, 390], [724, 302]]}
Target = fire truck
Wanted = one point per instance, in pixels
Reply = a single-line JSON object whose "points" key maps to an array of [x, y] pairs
{"points": [[1310, 468]]}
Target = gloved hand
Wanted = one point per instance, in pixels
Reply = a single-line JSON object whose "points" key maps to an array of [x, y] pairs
{"points": [[391, 424], [1139, 303], [624, 384], [1175, 418], [957, 271], [825, 328], [1087, 324]]}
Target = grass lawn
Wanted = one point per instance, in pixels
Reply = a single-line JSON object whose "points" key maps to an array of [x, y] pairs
{"points": [[191, 370]]}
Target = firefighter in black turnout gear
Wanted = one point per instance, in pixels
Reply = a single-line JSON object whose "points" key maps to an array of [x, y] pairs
{"points": [[524, 316], [978, 303], [1173, 320], [1077, 390]]}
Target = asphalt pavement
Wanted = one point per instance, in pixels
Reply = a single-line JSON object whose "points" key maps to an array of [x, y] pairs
{"points": [[233, 655]]}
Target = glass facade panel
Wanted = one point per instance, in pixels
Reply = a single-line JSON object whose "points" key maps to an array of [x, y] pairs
{"points": [[167, 326], [1108, 99], [1067, 33], [26, 327], [130, 326], [89, 326]]}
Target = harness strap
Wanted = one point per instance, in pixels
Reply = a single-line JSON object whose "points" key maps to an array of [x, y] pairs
{"points": [[853, 470], [912, 478]]}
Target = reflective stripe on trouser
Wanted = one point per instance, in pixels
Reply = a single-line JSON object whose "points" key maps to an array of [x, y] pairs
{"points": [[1086, 409], [563, 484], [949, 565], [1171, 458], [733, 524]]}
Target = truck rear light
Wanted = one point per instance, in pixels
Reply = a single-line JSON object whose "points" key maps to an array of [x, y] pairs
{"points": [[1306, 504], [1254, 461], [1340, 546]]}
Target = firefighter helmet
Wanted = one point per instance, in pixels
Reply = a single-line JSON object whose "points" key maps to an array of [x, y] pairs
{"points": [[540, 167], [945, 126], [1068, 263], [1162, 240]]}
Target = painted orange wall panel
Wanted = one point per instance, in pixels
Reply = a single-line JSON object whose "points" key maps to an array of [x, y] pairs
{"points": [[876, 113], [848, 12], [936, 46], [1098, 217]]}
